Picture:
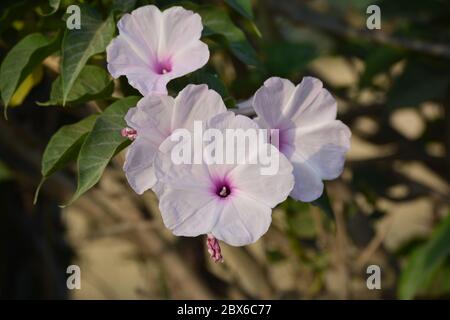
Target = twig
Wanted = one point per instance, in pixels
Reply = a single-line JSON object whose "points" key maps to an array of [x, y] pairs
{"points": [[374, 244], [341, 248]]}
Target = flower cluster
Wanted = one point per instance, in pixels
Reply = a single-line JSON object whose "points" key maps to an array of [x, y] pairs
{"points": [[230, 202]]}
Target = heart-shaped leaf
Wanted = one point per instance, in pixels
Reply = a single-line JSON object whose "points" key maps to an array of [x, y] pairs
{"points": [[102, 143], [21, 60], [80, 44], [63, 147], [92, 83]]}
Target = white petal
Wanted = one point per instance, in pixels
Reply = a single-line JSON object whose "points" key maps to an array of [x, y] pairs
{"points": [[193, 57], [311, 104], [188, 213], [181, 28], [187, 203], [229, 121], [308, 185], [324, 147], [270, 100], [138, 165], [152, 117], [196, 102], [281, 105], [124, 59], [158, 188], [267, 189], [242, 221], [142, 29]]}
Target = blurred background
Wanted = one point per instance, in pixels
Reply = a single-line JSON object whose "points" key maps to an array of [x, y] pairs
{"points": [[390, 207]]}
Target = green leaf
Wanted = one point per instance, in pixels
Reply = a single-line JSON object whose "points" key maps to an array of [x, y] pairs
{"points": [[439, 285], [285, 59], [244, 7], [63, 147], [218, 23], [79, 45], [425, 261], [324, 203], [92, 83], [21, 60], [419, 82], [102, 143]]}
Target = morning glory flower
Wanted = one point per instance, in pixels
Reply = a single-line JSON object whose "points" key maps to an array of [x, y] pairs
{"points": [[231, 202], [154, 47], [154, 119], [308, 132]]}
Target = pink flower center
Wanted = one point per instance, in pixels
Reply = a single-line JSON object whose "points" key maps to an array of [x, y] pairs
{"points": [[222, 188], [224, 192], [162, 66]]}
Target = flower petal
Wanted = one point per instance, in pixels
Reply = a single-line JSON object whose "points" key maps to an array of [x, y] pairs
{"points": [[196, 102], [324, 147], [191, 58], [267, 189], [124, 59], [280, 105], [270, 100], [138, 165], [181, 28], [188, 214], [242, 221], [187, 205], [143, 30], [152, 117], [308, 185]]}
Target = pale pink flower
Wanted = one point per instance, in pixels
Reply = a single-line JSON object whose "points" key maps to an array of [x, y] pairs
{"points": [[154, 119], [154, 47], [232, 202], [309, 134]]}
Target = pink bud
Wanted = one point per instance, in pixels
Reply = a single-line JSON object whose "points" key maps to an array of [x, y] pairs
{"points": [[214, 248], [129, 133]]}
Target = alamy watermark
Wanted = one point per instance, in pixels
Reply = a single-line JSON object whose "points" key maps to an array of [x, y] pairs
{"points": [[374, 20], [229, 146], [374, 279], [73, 21], [74, 279]]}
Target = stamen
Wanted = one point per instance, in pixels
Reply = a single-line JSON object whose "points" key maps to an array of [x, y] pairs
{"points": [[214, 248], [223, 192], [129, 133], [164, 70]]}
